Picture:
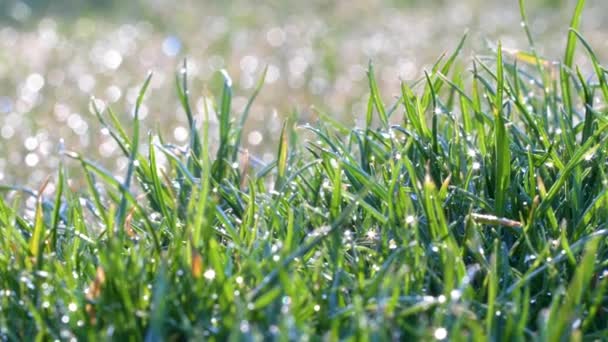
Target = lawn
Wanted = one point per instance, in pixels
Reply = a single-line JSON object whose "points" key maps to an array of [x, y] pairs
{"points": [[472, 206]]}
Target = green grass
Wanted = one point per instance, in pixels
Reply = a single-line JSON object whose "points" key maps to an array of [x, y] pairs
{"points": [[475, 206]]}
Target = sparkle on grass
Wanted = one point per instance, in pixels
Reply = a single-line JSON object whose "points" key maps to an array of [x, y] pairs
{"points": [[392, 244], [440, 333], [209, 274]]}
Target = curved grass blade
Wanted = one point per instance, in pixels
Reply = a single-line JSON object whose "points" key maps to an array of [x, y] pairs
{"points": [[125, 192], [574, 25], [121, 213], [501, 142], [282, 158], [375, 95], [239, 130]]}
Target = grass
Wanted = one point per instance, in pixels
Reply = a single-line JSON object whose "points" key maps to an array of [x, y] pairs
{"points": [[474, 207]]}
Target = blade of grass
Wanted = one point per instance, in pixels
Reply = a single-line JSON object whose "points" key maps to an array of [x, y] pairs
{"points": [[501, 143], [122, 208]]}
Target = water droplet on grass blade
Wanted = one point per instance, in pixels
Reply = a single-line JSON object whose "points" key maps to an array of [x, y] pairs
{"points": [[209, 274], [180, 133], [440, 333], [392, 244]]}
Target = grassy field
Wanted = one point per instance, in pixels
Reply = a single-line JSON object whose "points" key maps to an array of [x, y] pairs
{"points": [[472, 206], [56, 54]]}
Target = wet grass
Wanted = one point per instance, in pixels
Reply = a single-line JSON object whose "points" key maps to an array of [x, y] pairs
{"points": [[471, 207]]}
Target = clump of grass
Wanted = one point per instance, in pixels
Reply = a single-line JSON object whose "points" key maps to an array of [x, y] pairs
{"points": [[474, 207]]}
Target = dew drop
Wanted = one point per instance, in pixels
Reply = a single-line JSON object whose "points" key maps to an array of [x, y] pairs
{"points": [[209, 274], [440, 333]]}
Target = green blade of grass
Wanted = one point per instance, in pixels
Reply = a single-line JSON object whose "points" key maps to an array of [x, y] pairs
{"points": [[56, 217], [122, 208], [501, 143], [245, 114], [375, 95], [574, 25], [282, 157]]}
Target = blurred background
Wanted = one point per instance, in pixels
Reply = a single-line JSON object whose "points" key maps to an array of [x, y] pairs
{"points": [[56, 54]]}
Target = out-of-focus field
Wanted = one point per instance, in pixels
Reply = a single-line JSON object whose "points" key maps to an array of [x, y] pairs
{"points": [[55, 55]]}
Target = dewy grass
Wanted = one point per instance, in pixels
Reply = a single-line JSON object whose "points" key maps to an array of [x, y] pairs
{"points": [[476, 210]]}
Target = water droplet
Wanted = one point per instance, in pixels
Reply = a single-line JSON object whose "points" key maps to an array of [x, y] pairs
{"points": [[244, 326], [31, 143], [112, 59], [34, 82], [171, 46], [392, 244], [180, 133], [272, 74], [275, 36], [209, 274], [440, 333], [255, 138], [113, 93], [31, 159]]}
